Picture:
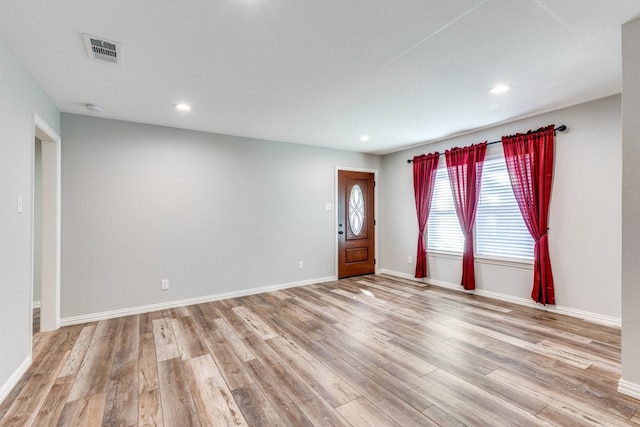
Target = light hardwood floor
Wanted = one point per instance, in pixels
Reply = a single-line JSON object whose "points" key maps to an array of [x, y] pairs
{"points": [[36, 321], [371, 350]]}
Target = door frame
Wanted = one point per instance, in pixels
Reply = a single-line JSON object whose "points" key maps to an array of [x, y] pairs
{"points": [[51, 223], [375, 213]]}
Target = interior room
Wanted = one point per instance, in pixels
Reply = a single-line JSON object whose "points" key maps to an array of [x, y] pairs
{"points": [[186, 188]]}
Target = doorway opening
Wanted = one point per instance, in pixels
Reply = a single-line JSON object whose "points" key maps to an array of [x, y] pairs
{"points": [[45, 247]]}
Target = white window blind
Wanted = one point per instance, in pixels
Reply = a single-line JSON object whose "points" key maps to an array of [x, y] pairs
{"points": [[500, 229], [443, 229]]}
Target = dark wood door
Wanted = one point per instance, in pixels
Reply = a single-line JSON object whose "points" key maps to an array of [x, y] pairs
{"points": [[356, 224]]}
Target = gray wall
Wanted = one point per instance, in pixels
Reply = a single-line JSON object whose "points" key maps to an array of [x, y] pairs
{"points": [[21, 98], [631, 204], [211, 213], [585, 214], [217, 214]]}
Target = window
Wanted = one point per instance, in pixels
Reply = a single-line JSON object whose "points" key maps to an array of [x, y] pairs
{"points": [[356, 210], [500, 229], [443, 229]]}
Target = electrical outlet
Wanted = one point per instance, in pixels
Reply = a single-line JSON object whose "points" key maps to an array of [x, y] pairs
{"points": [[410, 259], [164, 284], [300, 265]]}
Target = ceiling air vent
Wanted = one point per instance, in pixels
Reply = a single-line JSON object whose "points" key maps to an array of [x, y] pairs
{"points": [[103, 50]]}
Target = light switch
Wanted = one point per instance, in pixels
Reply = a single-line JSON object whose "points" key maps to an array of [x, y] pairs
{"points": [[19, 204], [327, 206]]}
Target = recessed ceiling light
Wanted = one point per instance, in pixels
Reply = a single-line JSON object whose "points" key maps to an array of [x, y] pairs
{"points": [[93, 107], [182, 107], [498, 89], [364, 138]]}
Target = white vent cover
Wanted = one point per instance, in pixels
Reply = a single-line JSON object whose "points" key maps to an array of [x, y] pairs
{"points": [[103, 50]]}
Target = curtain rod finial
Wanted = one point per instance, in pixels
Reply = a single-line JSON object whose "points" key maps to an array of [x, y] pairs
{"points": [[561, 128], [409, 161]]}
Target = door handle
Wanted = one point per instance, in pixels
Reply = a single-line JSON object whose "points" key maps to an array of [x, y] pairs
{"points": [[340, 232]]}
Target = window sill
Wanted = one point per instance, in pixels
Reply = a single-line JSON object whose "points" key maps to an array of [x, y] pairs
{"points": [[504, 262], [446, 255]]}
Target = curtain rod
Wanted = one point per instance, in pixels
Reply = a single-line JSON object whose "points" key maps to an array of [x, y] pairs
{"points": [[560, 128]]}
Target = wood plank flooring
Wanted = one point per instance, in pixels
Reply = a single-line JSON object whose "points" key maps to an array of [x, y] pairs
{"points": [[36, 320], [365, 351]]}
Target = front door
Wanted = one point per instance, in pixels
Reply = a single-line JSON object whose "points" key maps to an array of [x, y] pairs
{"points": [[356, 224]]}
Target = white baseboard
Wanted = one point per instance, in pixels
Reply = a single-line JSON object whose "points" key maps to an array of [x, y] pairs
{"points": [[399, 274], [567, 311], [453, 286], [630, 389], [585, 315], [13, 380], [36, 304], [75, 320]]}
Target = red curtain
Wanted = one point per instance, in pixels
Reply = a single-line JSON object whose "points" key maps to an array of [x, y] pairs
{"points": [[464, 166], [529, 160], [424, 179]]}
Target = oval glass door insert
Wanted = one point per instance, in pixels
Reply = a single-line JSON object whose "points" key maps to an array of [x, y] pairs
{"points": [[356, 210]]}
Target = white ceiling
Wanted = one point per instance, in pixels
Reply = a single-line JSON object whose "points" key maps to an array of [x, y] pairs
{"points": [[323, 72]]}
